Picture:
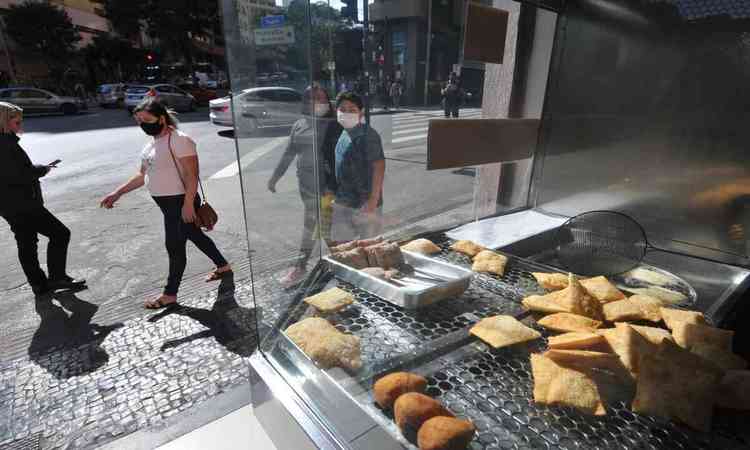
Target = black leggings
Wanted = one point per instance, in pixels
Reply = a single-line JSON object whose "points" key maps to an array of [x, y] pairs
{"points": [[177, 233], [27, 226]]}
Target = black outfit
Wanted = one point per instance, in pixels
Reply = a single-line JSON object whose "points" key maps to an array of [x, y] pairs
{"points": [[23, 208], [325, 134], [177, 233], [452, 99]]}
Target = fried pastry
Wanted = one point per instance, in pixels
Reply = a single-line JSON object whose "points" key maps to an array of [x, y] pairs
{"points": [[551, 281], [558, 385], [734, 390], [574, 340], [622, 310], [721, 358], [650, 306], [689, 334], [422, 246], [672, 316], [566, 322], [324, 344], [502, 331], [330, 301], [381, 273], [389, 388], [490, 262], [413, 409], [356, 258], [601, 289], [653, 334], [445, 433], [467, 248], [573, 299]]}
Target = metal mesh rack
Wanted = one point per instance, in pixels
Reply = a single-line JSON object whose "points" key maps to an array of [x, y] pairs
{"points": [[493, 388]]}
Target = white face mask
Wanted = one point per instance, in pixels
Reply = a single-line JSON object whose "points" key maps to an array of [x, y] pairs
{"points": [[321, 109], [348, 120]]}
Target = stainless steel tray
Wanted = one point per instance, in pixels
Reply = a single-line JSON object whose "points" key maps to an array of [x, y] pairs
{"points": [[430, 281]]}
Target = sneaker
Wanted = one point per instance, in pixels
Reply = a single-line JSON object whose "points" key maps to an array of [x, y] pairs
{"points": [[66, 283]]}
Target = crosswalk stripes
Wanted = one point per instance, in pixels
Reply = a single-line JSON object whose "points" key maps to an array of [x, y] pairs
{"points": [[410, 128]]}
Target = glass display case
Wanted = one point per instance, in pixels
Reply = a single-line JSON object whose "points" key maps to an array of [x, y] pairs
{"points": [[312, 174]]}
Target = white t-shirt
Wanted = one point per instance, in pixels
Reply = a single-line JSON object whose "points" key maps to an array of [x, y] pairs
{"points": [[162, 178]]}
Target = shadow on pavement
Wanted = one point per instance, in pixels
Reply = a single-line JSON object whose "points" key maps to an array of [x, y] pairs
{"points": [[260, 133], [68, 345], [97, 119], [231, 325]]}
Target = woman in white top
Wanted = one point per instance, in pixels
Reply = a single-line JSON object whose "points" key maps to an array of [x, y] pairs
{"points": [[174, 189]]}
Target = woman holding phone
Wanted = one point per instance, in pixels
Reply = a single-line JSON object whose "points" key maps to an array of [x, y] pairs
{"points": [[169, 169], [23, 209]]}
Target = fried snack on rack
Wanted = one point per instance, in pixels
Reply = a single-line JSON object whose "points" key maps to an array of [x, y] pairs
{"points": [[503, 331], [573, 299], [652, 334], [445, 433], [583, 359], [601, 289], [413, 409], [565, 322], [422, 246], [356, 257], [676, 384], [689, 334], [574, 340], [390, 387], [628, 344], [467, 248], [551, 281], [721, 358], [346, 246], [672, 316], [324, 344], [490, 262], [558, 385], [637, 307], [734, 390], [330, 301], [386, 255]]}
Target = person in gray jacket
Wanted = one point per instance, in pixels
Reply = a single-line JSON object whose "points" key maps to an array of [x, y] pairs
{"points": [[312, 143]]}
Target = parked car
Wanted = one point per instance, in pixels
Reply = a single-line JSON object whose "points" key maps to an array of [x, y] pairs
{"points": [[40, 101], [202, 95], [259, 108], [111, 95], [170, 95]]}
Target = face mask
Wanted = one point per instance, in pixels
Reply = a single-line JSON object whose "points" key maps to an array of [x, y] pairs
{"points": [[151, 129], [321, 109], [348, 120]]}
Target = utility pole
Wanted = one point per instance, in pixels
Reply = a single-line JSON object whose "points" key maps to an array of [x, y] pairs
{"points": [[332, 63], [366, 59], [11, 70], [427, 56]]}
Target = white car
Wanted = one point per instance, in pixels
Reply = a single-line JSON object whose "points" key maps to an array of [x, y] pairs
{"points": [[170, 95], [259, 108]]}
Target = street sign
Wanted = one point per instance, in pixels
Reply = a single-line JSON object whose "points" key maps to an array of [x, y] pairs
{"points": [[272, 21], [274, 36]]}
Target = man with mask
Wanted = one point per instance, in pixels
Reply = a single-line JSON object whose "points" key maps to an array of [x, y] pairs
{"points": [[360, 171]]}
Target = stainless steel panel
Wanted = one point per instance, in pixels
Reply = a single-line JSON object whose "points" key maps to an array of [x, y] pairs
{"points": [[431, 281], [646, 114]]}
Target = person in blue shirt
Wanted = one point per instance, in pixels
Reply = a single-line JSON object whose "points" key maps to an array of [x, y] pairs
{"points": [[360, 171]]}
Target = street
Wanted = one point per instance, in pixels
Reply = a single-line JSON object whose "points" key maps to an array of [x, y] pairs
{"points": [[91, 367]]}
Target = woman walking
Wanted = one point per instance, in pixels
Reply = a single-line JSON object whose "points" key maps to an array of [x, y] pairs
{"points": [[313, 143], [23, 208], [169, 169]]}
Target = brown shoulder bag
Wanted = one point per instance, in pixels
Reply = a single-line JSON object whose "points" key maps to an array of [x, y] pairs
{"points": [[205, 216]]}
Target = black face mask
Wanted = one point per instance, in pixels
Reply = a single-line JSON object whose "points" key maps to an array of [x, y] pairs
{"points": [[152, 129]]}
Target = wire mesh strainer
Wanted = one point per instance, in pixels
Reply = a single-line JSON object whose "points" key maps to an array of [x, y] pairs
{"points": [[601, 243]]}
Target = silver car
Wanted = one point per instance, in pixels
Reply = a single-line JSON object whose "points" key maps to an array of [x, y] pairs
{"points": [[170, 95], [259, 108], [40, 101], [111, 95]]}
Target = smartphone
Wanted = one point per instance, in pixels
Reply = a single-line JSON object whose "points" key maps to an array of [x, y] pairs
{"points": [[55, 163]]}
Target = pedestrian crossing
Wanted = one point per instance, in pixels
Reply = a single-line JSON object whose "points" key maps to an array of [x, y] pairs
{"points": [[410, 128]]}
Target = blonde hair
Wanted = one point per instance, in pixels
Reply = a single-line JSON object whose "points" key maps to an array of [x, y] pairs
{"points": [[8, 112]]}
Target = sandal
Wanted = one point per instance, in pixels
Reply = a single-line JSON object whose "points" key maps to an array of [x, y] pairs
{"points": [[159, 303], [218, 275]]}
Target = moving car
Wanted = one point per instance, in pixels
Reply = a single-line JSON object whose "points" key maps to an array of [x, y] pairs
{"points": [[170, 95], [40, 101], [202, 95], [111, 95], [259, 107]]}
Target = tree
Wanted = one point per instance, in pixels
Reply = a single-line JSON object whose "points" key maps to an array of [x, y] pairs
{"points": [[175, 23], [46, 29], [116, 58]]}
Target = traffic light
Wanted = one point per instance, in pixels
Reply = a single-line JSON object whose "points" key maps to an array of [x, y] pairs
{"points": [[149, 57], [350, 10]]}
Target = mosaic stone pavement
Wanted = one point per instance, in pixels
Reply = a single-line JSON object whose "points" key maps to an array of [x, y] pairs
{"points": [[106, 381]]}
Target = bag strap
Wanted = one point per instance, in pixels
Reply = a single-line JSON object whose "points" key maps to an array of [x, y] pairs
{"points": [[179, 172]]}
